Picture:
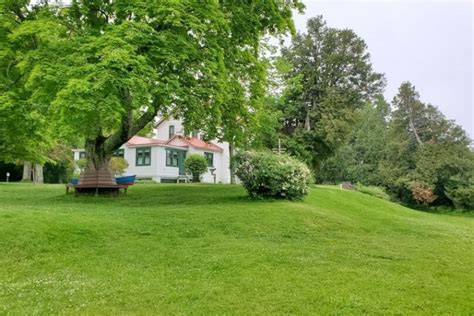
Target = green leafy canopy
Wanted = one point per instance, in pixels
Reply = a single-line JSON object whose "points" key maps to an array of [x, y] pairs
{"points": [[103, 69]]}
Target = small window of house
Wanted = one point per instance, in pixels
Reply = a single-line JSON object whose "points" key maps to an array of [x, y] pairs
{"points": [[171, 158], [171, 131], [119, 153], [210, 159], [143, 156], [82, 154]]}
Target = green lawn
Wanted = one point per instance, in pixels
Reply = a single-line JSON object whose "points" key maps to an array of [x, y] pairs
{"points": [[207, 249]]}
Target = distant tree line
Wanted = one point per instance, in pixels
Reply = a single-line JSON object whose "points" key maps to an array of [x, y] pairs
{"points": [[331, 114]]}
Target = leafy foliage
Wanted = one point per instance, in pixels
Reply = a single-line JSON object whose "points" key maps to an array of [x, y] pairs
{"points": [[414, 152], [328, 75], [24, 130], [117, 165], [265, 175], [196, 164], [104, 69], [358, 159], [460, 190], [60, 166]]}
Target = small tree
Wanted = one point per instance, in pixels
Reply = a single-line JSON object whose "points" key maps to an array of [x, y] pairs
{"points": [[117, 165], [196, 164]]}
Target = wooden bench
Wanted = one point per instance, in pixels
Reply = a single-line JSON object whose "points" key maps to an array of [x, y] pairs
{"points": [[96, 188], [177, 179], [92, 181]]}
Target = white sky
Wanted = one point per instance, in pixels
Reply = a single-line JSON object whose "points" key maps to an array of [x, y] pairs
{"points": [[429, 43]]}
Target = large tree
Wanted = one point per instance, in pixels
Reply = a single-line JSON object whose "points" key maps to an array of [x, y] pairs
{"points": [[104, 69], [425, 150], [328, 74], [25, 131]]}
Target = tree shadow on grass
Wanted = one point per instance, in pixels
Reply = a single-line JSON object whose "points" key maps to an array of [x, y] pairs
{"points": [[145, 196]]}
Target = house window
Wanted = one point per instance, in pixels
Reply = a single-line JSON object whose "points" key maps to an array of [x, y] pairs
{"points": [[143, 157], [82, 154], [119, 153], [210, 159], [171, 158], [171, 131]]}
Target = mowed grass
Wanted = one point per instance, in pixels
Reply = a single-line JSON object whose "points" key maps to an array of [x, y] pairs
{"points": [[207, 249]]}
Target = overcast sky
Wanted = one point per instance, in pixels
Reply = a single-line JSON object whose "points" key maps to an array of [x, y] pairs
{"points": [[429, 43]]}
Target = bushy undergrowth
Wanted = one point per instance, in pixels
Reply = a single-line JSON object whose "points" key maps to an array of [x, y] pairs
{"points": [[373, 190], [266, 175], [117, 165], [463, 197]]}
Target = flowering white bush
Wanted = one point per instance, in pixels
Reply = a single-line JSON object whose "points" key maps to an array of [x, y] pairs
{"points": [[266, 175]]}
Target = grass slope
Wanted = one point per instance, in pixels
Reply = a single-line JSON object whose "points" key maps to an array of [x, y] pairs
{"points": [[204, 249]]}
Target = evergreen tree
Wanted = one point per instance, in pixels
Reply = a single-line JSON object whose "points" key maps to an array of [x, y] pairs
{"points": [[328, 76]]}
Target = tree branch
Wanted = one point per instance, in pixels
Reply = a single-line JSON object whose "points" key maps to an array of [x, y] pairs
{"points": [[128, 129]]}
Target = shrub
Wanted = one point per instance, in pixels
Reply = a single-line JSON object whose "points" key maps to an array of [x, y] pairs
{"points": [[422, 193], [373, 190], [117, 165], [265, 175], [196, 164], [462, 197], [82, 163]]}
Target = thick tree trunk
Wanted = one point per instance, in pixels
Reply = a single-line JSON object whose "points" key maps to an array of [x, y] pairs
{"points": [[231, 154], [100, 149], [38, 173], [97, 154], [26, 172]]}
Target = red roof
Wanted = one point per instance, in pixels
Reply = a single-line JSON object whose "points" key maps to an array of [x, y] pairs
{"points": [[139, 140], [198, 143], [195, 142]]}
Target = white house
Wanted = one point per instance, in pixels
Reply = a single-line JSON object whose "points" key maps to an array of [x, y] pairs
{"points": [[161, 157]]}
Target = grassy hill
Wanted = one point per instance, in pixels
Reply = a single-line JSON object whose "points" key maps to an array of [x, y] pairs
{"points": [[207, 249]]}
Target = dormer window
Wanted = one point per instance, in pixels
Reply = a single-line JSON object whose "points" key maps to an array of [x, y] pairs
{"points": [[171, 131]]}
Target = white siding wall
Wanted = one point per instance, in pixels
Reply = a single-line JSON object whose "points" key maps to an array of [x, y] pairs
{"points": [[225, 162], [141, 171], [156, 170], [162, 131]]}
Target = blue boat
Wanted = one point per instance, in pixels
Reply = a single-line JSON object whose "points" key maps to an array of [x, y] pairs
{"points": [[127, 180]]}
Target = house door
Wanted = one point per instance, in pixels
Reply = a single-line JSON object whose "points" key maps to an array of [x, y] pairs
{"points": [[181, 157]]}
